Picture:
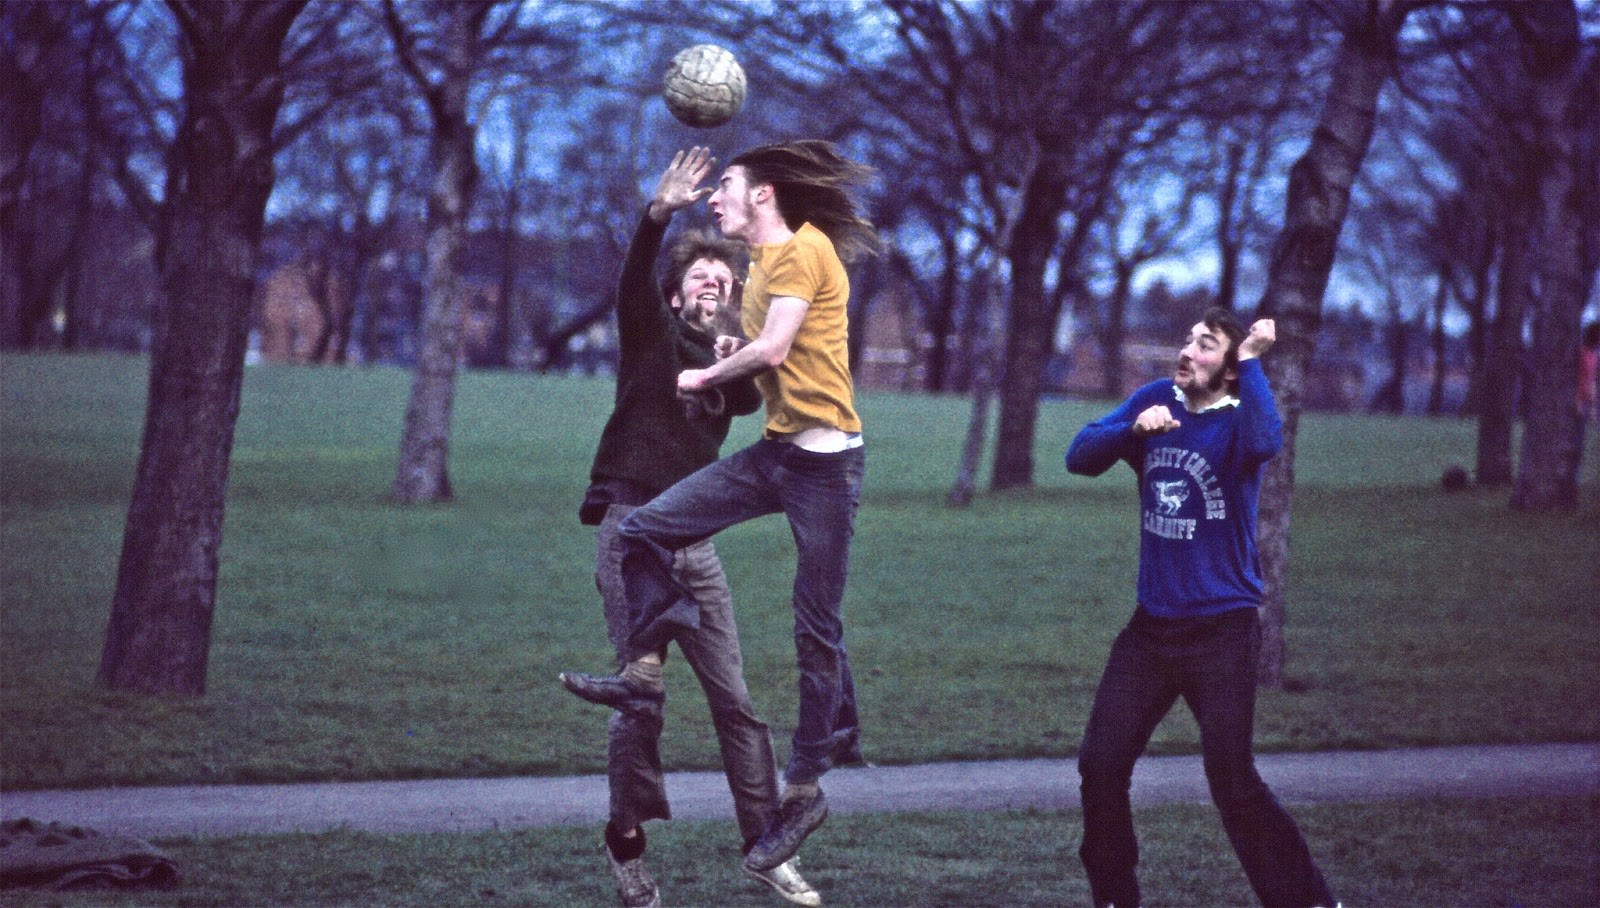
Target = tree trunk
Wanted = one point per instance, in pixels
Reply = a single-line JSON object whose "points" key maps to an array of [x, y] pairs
{"points": [[1502, 372], [159, 635], [422, 474], [1029, 329], [34, 28], [1438, 340], [1228, 242], [1115, 330], [941, 319], [1319, 194], [1391, 395], [1550, 33]]}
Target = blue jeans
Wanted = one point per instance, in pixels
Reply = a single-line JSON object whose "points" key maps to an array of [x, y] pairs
{"points": [[819, 494], [633, 744], [1210, 663]]}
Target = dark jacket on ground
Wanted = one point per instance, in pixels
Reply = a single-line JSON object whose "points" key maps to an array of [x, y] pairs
{"points": [[650, 441]]}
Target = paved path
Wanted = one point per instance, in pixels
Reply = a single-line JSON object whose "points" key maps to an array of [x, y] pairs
{"points": [[457, 805]]}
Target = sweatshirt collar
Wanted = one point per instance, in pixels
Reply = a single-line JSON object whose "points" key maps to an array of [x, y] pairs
{"points": [[1227, 400]]}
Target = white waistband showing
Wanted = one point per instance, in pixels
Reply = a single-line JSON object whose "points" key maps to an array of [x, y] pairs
{"points": [[825, 440]]}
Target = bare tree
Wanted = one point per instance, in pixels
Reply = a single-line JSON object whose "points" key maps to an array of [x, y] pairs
{"points": [[54, 57], [444, 77], [1302, 258], [1533, 177], [159, 633], [1156, 235], [448, 49], [1083, 89]]}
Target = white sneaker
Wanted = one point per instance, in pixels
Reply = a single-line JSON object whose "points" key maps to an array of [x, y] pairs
{"points": [[634, 886], [789, 883]]}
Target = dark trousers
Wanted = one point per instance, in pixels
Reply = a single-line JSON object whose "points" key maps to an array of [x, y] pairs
{"points": [[1210, 663], [818, 494], [633, 748]]}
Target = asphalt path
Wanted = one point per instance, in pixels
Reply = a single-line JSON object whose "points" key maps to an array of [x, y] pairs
{"points": [[465, 805]]}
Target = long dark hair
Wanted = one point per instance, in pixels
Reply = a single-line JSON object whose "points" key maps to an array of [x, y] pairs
{"points": [[811, 182]]}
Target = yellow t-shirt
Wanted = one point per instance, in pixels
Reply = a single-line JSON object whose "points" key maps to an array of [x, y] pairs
{"points": [[812, 388]]}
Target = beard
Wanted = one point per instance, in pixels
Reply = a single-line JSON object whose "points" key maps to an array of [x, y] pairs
{"points": [[1216, 381]]}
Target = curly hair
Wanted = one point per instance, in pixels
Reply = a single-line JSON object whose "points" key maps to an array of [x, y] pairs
{"points": [[811, 182], [693, 246]]}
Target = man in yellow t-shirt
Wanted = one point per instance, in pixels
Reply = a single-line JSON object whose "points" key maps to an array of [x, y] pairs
{"points": [[789, 202]]}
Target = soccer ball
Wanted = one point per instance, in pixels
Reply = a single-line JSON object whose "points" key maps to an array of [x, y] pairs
{"points": [[704, 86]]}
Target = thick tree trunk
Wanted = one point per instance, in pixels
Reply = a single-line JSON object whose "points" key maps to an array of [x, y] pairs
{"points": [[159, 634], [1029, 328], [1550, 34], [1302, 257]]}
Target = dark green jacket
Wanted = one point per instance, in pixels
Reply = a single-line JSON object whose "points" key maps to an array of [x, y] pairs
{"points": [[651, 441]]}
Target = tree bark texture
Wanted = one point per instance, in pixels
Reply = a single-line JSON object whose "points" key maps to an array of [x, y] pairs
{"points": [[1549, 32], [1302, 257], [1032, 323], [423, 471], [220, 174]]}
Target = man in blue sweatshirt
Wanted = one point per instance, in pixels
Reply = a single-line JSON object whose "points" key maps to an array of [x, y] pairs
{"points": [[1197, 445]]}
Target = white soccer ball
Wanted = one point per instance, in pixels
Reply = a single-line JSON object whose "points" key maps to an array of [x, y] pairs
{"points": [[704, 86]]}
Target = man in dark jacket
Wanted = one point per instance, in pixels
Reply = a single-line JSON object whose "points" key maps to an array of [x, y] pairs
{"points": [[652, 439]]}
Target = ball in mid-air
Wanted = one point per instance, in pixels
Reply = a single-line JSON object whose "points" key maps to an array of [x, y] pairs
{"points": [[704, 86]]}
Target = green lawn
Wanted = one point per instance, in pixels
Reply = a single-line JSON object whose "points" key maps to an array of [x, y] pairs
{"points": [[357, 639], [1445, 853]]}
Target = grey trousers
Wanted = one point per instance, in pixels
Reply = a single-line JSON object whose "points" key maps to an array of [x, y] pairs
{"points": [[638, 792]]}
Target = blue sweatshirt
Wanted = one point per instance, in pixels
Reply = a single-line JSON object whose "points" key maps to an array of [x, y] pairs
{"points": [[1198, 489]]}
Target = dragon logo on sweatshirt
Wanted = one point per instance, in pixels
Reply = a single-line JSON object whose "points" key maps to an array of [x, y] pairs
{"points": [[1174, 474]]}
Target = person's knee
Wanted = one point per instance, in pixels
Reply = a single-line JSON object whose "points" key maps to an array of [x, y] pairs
{"points": [[1103, 773], [631, 528], [1234, 781], [736, 715]]}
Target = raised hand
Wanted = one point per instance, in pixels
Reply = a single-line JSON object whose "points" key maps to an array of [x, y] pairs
{"points": [[679, 186], [1262, 335]]}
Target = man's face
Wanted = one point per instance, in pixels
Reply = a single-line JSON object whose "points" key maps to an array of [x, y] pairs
{"points": [[1202, 374], [733, 204], [705, 286]]}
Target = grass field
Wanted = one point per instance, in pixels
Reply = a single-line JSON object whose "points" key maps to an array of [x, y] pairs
{"points": [[357, 639], [1448, 853]]}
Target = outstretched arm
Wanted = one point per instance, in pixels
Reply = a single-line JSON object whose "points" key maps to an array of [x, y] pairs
{"points": [[767, 351], [679, 186], [641, 311]]}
